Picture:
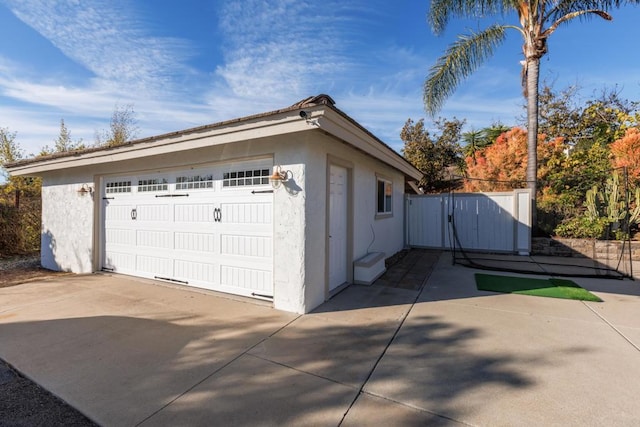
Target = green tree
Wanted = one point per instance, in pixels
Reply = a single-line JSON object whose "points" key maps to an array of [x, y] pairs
{"points": [[559, 113], [63, 142], [433, 155], [10, 151], [473, 141], [476, 140], [19, 216], [122, 128], [581, 170], [606, 119], [537, 20], [602, 119], [494, 131]]}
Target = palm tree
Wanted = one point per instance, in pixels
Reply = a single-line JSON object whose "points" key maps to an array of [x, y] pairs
{"points": [[538, 19], [473, 141]]}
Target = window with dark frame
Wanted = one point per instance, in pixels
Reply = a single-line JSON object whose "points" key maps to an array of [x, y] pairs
{"points": [[384, 197], [194, 182], [246, 177], [152, 185], [118, 187]]}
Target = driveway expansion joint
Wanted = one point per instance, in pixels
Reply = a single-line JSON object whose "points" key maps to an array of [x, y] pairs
{"points": [[393, 337], [215, 371], [618, 331]]}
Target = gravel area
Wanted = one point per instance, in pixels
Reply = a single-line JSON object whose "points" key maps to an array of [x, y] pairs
{"points": [[24, 403]]}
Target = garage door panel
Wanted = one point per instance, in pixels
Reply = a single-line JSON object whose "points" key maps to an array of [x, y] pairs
{"points": [[247, 279], [154, 239], [120, 261], [153, 212], [191, 213], [246, 245], [246, 213], [154, 266], [195, 242], [118, 212], [120, 236], [195, 272]]}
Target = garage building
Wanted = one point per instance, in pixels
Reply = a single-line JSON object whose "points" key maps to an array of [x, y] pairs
{"points": [[276, 206]]}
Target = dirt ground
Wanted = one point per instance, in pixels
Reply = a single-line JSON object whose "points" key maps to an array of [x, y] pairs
{"points": [[20, 269], [22, 402]]}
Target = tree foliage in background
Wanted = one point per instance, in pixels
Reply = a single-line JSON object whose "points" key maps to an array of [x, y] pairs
{"points": [[63, 142], [625, 153], [537, 21], [503, 164], [436, 156], [475, 140], [606, 118], [19, 202], [10, 151], [589, 128], [602, 119], [559, 113], [122, 128]]}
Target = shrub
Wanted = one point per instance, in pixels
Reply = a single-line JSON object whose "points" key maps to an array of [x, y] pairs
{"points": [[583, 228]]}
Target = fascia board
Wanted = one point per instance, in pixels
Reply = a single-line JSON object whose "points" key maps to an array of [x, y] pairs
{"points": [[260, 128]]}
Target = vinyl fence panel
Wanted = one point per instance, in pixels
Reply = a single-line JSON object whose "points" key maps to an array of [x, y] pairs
{"points": [[491, 222]]}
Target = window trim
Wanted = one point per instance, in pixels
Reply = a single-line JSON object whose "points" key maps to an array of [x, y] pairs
{"points": [[385, 213]]}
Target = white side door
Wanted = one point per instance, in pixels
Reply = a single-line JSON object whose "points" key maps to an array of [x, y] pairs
{"points": [[338, 210]]}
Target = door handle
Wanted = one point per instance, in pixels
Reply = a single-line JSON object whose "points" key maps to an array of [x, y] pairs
{"points": [[134, 214], [217, 215]]}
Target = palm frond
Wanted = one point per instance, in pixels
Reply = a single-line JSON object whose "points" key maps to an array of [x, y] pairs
{"points": [[461, 59], [441, 11], [565, 7], [569, 16]]}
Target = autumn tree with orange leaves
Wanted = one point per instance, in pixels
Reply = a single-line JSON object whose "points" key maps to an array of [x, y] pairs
{"points": [[626, 153], [502, 166]]}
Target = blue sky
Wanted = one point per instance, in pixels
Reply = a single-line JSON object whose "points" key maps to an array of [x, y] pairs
{"points": [[194, 62]]}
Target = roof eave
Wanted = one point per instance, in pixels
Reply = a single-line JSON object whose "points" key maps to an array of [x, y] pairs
{"points": [[323, 115]]}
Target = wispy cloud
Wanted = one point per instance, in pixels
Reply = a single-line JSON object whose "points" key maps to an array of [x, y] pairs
{"points": [[281, 50], [105, 37]]}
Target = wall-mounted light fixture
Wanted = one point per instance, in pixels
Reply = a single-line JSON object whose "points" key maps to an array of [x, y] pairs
{"points": [[279, 176], [85, 189]]}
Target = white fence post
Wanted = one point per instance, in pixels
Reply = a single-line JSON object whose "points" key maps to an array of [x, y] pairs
{"points": [[523, 221]]}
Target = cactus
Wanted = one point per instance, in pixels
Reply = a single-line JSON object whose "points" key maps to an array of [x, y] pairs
{"points": [[634, 213], [592, 204], [611, 197], [610, 203]]}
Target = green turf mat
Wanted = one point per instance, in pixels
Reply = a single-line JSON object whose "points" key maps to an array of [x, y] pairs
{"points": [[553, 288]]}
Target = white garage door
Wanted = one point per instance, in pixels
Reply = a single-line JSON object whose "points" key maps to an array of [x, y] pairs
{"points": [[206, 227]]}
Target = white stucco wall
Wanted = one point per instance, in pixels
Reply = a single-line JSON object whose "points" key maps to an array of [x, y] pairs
{"points": [[370, 233], [67, 224], [389, 231]]}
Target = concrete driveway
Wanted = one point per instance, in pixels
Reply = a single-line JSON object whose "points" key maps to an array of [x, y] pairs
{"points": [[129, 352]]}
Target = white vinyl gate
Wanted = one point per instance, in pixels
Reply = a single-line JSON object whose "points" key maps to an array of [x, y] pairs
{"points": [[493, 222], [207, 227]]}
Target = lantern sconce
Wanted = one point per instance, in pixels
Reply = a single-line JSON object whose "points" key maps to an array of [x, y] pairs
{"points": [[279, 176], [85, 189]]}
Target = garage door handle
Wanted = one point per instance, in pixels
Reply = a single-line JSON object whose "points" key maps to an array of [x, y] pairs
{"points": [[217, 215], [134, 214]]}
